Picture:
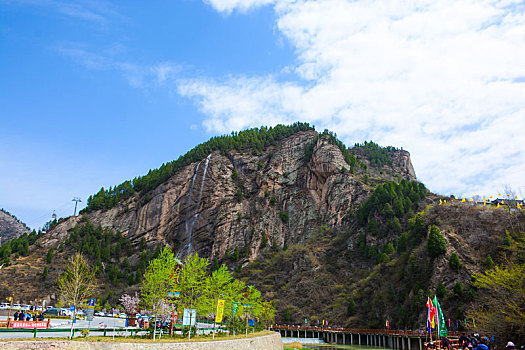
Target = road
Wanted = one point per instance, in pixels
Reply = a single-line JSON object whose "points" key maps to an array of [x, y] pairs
{"points": [[97, 323]]}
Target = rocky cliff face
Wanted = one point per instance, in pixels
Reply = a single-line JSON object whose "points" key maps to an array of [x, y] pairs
{"points": [[242, 199], [10, 227]]}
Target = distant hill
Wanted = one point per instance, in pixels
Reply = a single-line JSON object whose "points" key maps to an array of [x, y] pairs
{"points": [[10, 226], [327, 231]]}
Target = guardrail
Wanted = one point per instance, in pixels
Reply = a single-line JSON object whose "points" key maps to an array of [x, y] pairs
{"points": [[106, 331], [398, 332]]}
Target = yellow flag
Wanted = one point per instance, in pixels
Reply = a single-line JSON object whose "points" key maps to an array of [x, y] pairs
{"points": [[220, 311], [440, 202], [463, 200], [445, 201], [472, 199], [490, 197], [499, 194], [516, 197], [497, 206]]}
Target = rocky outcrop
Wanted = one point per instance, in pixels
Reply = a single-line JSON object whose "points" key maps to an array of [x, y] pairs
{"points": [[240, 199], [10, 227]]}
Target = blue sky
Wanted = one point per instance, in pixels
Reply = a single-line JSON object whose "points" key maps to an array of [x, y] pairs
{"points": [[96, 92]]}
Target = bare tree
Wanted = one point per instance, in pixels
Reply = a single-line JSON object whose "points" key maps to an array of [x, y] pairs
{"points": [[507, 191], [77, 283]]}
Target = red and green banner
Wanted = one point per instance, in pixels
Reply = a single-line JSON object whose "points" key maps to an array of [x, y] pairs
{"points": [[440, 318]]}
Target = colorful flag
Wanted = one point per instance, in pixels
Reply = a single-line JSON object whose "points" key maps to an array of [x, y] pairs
{"points": [[387, 325], [431, 316], [441, 325]]}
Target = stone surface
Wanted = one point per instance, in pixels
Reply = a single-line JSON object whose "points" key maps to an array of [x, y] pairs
{"points": [[265, 342], [205, 208], [10, 227]]}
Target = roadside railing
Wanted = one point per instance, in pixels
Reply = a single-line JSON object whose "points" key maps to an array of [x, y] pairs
{"points": [[397, 332]]}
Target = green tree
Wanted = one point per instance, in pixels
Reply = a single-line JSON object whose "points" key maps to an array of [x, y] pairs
{"points": [[489, 263], [454, 262], [441, 290], [158, 281], [350, 310], [436, 242], [77, 282], [458, 288], [49, 256], [192, 281], [216, 287], [45, 273], [267, 312], [501, 308]]}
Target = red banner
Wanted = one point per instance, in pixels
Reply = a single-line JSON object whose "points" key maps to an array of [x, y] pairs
{"points": [[29, 324]]}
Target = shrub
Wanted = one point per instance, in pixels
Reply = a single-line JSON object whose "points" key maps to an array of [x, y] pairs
{"points": [[284, 216]]}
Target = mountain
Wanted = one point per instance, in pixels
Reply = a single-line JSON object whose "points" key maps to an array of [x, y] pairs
{"points": [[329, 232], [10, 227]]}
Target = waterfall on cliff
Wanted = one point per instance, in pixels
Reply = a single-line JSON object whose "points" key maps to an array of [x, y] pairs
{"points": [[192, 213]]}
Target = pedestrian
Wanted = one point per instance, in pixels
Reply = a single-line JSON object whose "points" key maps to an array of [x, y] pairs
{"points": [[510, 346], [483, 344], [15, 316]]}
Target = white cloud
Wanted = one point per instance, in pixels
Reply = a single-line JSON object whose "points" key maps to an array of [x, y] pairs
{"points": [[227, 6], [138, 76], [441, 79]]}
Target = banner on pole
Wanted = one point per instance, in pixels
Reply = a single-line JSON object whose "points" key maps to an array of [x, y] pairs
{"points": [[220, 311], [235, 307]]}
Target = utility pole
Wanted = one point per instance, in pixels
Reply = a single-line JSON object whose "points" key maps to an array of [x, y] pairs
{"points": [[76, 200]]}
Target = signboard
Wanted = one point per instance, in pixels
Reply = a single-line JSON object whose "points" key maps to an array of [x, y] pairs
{"points": [[235, 307], [90, 309], [252, 323], [29, 324], [190, 317], [89, 314], [173, 295], [72, 308], [220, 311]]}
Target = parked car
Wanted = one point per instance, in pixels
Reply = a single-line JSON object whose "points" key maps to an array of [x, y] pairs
{"points": [[99, 313], [52, 311]]}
